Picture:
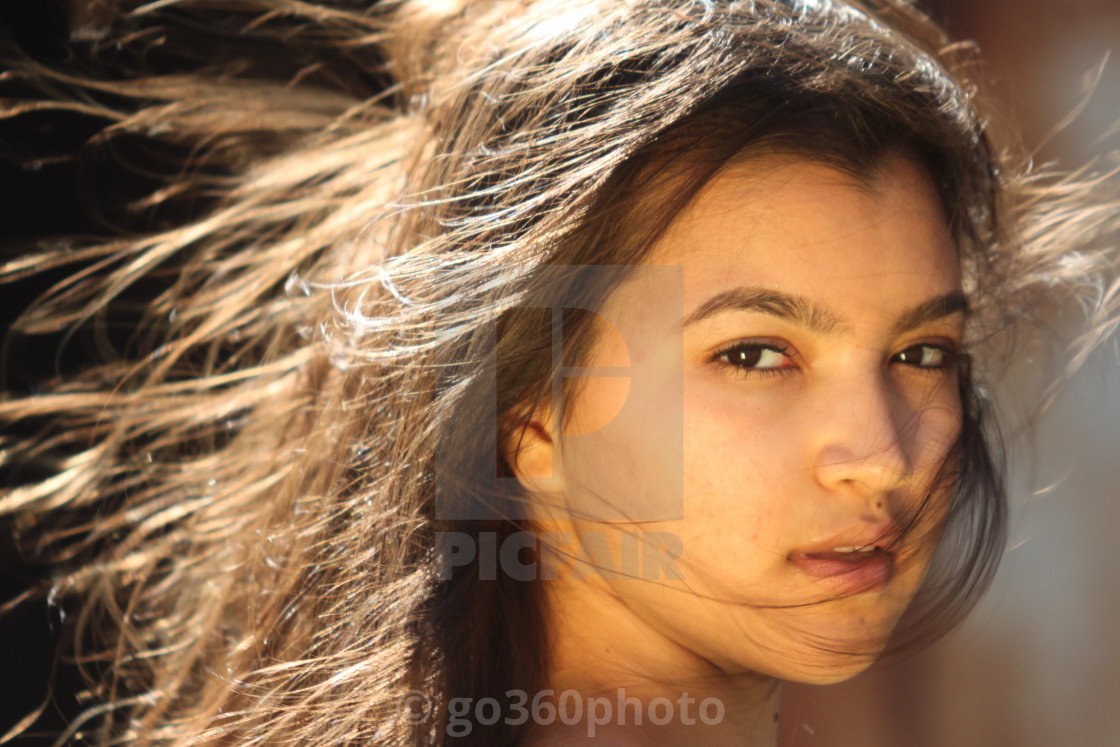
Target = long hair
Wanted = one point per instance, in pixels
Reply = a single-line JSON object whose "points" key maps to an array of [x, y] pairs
{"points": [[243, 496]]}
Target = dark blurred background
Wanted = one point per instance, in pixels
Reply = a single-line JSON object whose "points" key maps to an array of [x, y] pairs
{"points": [[1038, 664]]}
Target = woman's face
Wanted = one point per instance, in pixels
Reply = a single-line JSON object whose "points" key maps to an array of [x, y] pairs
{"points": [[820, 319]]}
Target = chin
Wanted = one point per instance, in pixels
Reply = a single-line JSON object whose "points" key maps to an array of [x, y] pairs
{"points": [[830, 654], [839, 670]]}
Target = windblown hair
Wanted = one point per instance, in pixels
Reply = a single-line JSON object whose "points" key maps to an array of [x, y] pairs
{"points": [[242, 499]]}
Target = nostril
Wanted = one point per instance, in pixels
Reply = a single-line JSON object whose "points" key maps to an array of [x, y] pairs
{"points": [[873, 472]]}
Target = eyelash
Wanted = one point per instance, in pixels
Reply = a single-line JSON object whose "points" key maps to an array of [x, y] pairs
{"points": [[723, 355], [952, 358]]}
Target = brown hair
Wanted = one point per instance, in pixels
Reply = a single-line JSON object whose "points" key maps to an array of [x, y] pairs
{"points": [[244, 499]]}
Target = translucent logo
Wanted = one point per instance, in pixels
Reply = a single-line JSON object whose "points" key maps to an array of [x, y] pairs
{"points": [[650, 406]]}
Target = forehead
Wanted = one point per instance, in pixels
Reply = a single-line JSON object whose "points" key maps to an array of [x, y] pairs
{"points": [[807, 228]]}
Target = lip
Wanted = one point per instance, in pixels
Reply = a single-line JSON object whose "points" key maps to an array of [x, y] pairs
{"points": [[856, 572], [882, 534], [871, 572]]}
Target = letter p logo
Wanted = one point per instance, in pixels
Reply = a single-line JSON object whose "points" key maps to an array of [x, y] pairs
{"points": [[637, 390]]}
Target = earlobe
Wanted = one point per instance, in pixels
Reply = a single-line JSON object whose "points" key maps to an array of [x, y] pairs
{"points": [[529, 450]]}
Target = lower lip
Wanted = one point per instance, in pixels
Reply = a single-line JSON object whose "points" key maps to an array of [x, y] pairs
{"points": [[848, 576]]}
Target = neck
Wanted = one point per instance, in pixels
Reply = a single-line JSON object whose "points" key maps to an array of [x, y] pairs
{"points": [[619, 668]]}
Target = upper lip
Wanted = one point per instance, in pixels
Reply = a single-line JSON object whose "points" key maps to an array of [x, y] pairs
{"points": [[882, 535]]}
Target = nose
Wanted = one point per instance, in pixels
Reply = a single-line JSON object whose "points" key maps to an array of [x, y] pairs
{"points": [[861, 445]]}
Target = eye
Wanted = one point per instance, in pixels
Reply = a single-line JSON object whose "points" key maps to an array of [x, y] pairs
{"points": [[756, 358], [931, 357]]}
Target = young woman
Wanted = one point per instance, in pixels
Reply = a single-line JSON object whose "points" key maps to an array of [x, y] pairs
{"points": [[533, 372]]}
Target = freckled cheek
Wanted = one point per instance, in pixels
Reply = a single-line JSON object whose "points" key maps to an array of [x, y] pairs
{"points": [[620, 457], [735, 457]]}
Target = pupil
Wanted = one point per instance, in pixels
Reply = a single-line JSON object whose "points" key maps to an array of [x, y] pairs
{"points": [[749, 356]]}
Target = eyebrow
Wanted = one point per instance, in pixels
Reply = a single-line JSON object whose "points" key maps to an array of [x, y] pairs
{"points": [[816, 318]]}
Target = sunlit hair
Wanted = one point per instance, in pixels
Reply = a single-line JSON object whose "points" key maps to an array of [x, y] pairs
{"points": [[242, 498]]}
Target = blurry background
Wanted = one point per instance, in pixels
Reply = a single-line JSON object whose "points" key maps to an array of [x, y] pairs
{"points": [[1038, 663]]}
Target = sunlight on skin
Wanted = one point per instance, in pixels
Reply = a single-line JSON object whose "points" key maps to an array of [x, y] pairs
{"points": [[802, 432]]}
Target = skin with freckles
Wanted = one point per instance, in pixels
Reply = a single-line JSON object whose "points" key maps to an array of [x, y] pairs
{"points": [[821, 319]]}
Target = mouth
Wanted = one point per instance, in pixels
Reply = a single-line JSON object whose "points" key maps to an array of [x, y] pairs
{"points": [[848, 570]]}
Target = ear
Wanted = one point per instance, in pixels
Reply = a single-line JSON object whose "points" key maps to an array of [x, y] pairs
{"points": [[530, 450]]}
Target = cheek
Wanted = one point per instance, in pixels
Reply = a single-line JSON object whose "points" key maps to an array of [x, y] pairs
{"points": [[621, 459], [932, 450], [601, 401], [741, 462], [938, 427]]}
